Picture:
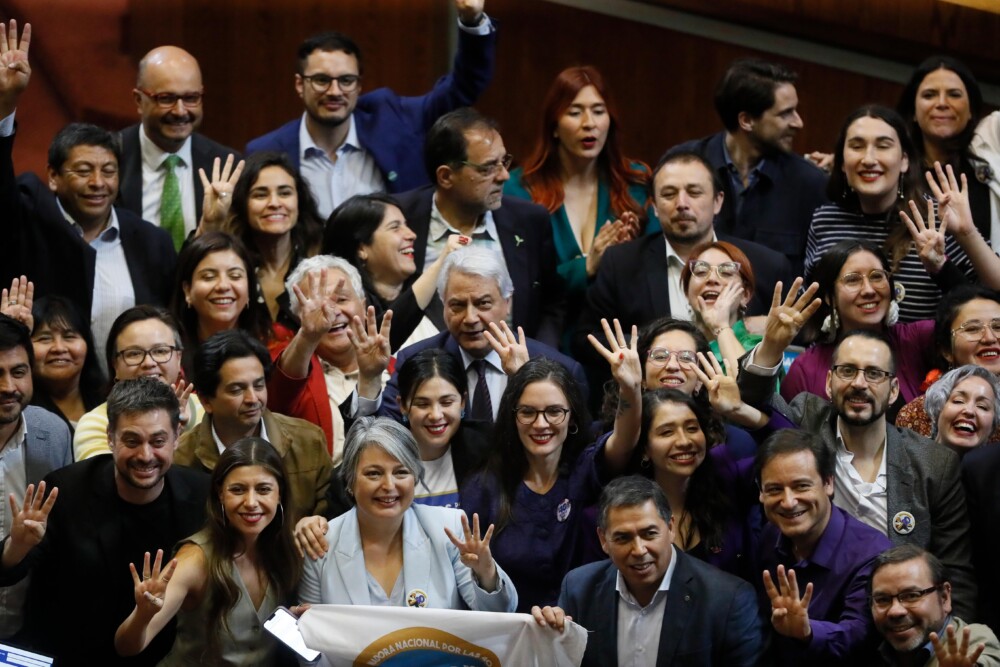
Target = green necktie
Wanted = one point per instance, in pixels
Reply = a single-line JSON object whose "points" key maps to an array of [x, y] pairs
{"points": [[171, 212]]}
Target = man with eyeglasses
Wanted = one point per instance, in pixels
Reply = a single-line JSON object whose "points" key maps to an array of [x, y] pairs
{"points": [[900, 483], [66, 234], [349, 144], [466, 159], [162, 154], [911, 602]]}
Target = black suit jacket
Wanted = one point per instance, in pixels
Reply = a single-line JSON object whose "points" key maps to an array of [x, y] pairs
{"points": [[980, 472], [203, 153], [710, 618], [39, 243], [81, 589], [526, 238]]}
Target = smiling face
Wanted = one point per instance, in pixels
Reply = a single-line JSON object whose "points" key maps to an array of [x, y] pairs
{"points": [[273, 202], [250, 497], [15, 384], [907, 628], [638, 541], [435, 413], [335, 343], [942, 106], [775, 130], [333, 106], [858, 402], [175, 72], [238, 404], [984, 351], [795, 498], [865, 308], [219, 290], [59, 354], [142, 444], [685, 203], [470, 303], [705, 291], [673, 374], [87, 184], [583, 126], [383, 487], [541, 439], [389, 257], [966, 420], [676, 444], [873, 163], [147, 335]]}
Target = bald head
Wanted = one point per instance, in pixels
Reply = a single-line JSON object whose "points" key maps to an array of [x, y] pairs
{"points": [[165, 74]]}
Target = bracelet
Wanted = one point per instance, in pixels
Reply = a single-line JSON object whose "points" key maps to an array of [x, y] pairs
{"points": [[718, 330]]}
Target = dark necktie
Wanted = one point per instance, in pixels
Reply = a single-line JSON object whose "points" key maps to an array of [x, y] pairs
{"points": [[482, 406]]}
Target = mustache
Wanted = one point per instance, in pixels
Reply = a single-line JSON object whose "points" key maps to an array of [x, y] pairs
{"points": [[174, 118], [684, 216], [8, 395]]}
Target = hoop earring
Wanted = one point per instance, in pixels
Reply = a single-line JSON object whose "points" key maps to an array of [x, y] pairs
{"points": [[281, 514], [645, 462], [574, 429]]}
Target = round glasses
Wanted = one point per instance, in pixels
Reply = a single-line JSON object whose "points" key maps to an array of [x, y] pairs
{"points": [[877, 278], [660, 356], [321, 82], [554, 414], [975, 330], [726, 270], [847, 373], [134, 356]]}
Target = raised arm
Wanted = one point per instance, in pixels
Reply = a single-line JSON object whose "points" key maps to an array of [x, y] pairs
{"points": [[425, 286], [28, 523], [15, 72], [317, 313], [626, 369], [724, 393], [218, 194]]}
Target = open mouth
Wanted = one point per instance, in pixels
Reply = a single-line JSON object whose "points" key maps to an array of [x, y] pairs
{"points": [[252, 517], [642, 568], [222, 301], [338, 328], [870, 176], [541, 438], [408, 251], [672, 380], [387, 501], [437, 430], [792, 516], [144, 471], [989, 354], [964, 426], [684, 458], [588, 142], [710, 296], [869, 307]]}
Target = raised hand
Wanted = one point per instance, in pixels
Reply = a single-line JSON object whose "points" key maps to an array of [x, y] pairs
{"points": [[183, 391], [928, 240], [15, 71], [151, 589], [474, 551], [513, 352], [18, 301], [371, 344], [622, 356], [953, 201], [822, 160], [953, 654], [785, 319], [621, 230], [317, 311], [29, 521], [218, 192], [789, 612], [723, 393], [726, 309], [469, 11]]}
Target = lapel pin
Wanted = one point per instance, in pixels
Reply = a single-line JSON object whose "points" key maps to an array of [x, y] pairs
{"points": [[903, 523], [416, 598]]}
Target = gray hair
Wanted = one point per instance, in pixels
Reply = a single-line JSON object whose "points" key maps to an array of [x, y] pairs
{"points": [[322, 262], [394, 438], [142, 394], [476, 261], [631, 491], [939, 392]]}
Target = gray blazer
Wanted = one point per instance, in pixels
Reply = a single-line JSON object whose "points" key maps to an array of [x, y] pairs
{"points": [[923, 479], [49, 445]]}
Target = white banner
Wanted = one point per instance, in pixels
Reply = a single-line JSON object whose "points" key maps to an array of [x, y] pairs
{"points": [[352, 636]]}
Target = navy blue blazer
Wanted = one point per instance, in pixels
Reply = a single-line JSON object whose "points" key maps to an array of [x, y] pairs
{"points": [[445, 341], [203, 154], [711, 617], [525, 233], [391, 127], [777, 210], [41, 244]]}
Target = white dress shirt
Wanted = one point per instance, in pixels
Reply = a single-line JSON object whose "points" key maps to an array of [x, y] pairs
{"points": [[496, 379], [866, 502], [639, 627], [332, 181], [154, 173], [222, 448]]}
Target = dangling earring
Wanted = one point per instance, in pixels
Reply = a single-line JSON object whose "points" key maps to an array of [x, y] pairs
{"points": [[831, 324], [892, 315], [406, 420], [899, 188], [281, 514]]}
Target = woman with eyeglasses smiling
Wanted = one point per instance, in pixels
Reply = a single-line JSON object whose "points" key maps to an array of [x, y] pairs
{"points": [[859, 292], [966, 331]]}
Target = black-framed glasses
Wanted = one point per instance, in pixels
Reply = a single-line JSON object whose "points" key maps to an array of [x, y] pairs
{"points": [[169, 100], [702, 269], [490, 169], [974, 330], [322, 82], [883, 601], [554, 414], [848, 372], [134, 356], [877, 278], [661, 356]]}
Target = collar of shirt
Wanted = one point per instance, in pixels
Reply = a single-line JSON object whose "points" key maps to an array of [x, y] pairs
{"points": [[672, 255], [309, 149], [847, 456], [492, 359], [825, 552], [626, 594], [755, 172], [110, 232], [153, 156], [440, 228], [222, 447], [330, 369], [17, 438]]}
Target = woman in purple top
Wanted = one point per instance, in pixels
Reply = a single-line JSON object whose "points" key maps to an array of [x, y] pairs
{"points": [[542, 474], [859, 292]]}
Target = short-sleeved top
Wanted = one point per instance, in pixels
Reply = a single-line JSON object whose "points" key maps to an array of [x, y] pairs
{"points": [[543, 540]]}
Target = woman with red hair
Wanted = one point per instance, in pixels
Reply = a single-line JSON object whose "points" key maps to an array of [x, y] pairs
{"points": [[596, 196]]}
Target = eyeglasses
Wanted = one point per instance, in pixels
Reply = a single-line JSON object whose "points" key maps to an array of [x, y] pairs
{"points": [[322, 82], [661, 355], [872, 375], [169, 100], [490, 169], [974, 330], [882, 602], [87, 172], [877, 278], [134, 356], [726, 270], [554, 415]]}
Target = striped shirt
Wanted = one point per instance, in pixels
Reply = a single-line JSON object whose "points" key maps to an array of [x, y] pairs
{"points": [[832, 224]]}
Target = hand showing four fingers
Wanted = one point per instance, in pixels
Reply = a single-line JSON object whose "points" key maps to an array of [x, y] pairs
{"points": [[474, 551], [151, 588], [218, 193]]}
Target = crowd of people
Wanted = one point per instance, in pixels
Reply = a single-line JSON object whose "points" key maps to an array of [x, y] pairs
{"points": [[369, 361]]}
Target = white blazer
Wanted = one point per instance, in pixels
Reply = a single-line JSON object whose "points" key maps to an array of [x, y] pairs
{"points": [[432, 568]]}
